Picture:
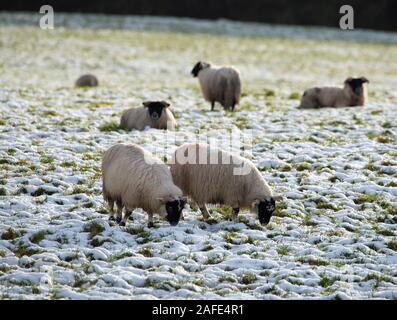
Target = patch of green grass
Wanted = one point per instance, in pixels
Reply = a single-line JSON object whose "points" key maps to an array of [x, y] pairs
{"points": [[381, 138], [392, 245], [321, 204], [41, 191], [386, 125], [313, 262], [214, 259], [78, 189], [68, 164], [365, 198], [303, 166], [109, 126], [280, 209], [95, 242], [377, 278], [22, 250], [47, 159], [146, 252], [307, 221], [294, 96], [93, 228], [248, 278], [38, 236], [49, 113], [10, 234], [88, 204], [326, 282], [226, 278], [384, 232], [283, 250], [231, 237]]}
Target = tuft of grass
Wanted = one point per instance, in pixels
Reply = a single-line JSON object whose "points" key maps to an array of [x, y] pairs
{"points": [[109, 126], [314, 262], [392, 245], [365, 198], [248, 278], [38, 236], [283, 250], [93, 228], [3, 191], [10, 234], [294, 96], [40, 191], [146, 252], [326, 282], [303, 166]]}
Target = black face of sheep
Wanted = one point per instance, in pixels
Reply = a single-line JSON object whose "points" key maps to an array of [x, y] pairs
{"points": [[174, 210], [265, 210], [155, 108], [356, 84], [195, 71]]}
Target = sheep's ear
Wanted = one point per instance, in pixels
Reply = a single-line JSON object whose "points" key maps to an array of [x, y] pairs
{"points": [[165, 104], [146, 104], [348, 80], [277, 197], [364, 80]]}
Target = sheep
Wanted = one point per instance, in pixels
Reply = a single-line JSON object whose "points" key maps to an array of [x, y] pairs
{"points": [[87, 80], [134, 178], [211, 175], [154, 114], [218, 84], [354, 93]]}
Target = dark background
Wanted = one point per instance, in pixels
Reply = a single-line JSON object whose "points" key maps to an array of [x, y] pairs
{"points": [[376, 14]]}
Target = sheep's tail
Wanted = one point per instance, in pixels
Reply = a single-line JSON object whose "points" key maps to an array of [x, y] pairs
{"points": [[232, 93]]}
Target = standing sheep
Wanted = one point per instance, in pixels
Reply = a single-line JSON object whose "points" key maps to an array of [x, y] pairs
{"points": [[154, 114], [134, 178], [354, 93], [211, 175], [219, 84], [87, 80]]}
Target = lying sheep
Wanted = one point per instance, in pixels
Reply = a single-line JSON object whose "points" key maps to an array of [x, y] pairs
{"points": [[87, 80], [154, 114], [219, 84], [211, 175], [354, 93], [134, 178]]}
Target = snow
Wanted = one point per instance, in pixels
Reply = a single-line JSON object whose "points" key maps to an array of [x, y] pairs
{"points": [[334, 235]]}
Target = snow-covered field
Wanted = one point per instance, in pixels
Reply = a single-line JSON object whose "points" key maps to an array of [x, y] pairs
{"points": [[333, 236]]}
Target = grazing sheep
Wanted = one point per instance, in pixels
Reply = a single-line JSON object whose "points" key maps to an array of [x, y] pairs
{"points": [[154, 114], [87, 80], [219, 84], [211, 175], [354, 93], [134, 178]]}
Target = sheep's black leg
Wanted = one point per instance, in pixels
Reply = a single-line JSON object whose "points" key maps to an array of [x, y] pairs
{"points": [[127, 214], [235, 213], [212, 105], [150, 223]]}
